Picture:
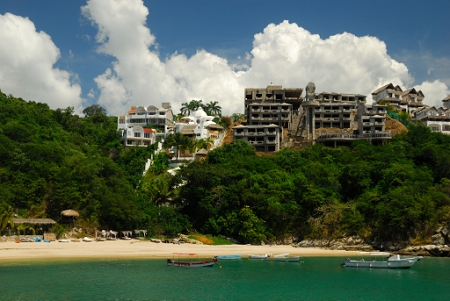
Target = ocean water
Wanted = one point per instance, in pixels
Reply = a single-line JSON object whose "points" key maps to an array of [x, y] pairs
{"points": [[313, 278]]}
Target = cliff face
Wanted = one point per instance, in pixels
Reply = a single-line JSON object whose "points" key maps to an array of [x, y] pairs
{"points": [[394, 126]]}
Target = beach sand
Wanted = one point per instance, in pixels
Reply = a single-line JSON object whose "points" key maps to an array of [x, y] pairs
{"points": [[144, 249]]}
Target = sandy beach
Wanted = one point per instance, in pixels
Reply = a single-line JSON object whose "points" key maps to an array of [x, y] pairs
{"points": [[143, 249]]}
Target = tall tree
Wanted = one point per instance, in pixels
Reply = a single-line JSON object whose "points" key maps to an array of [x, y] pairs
{"points": [[213, 108], [179, 141]]}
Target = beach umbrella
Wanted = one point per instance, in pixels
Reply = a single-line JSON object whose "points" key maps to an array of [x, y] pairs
{"points": [[70, 212]]}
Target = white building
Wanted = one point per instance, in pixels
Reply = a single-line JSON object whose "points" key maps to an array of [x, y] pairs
{"points": [[437, 119], [199, 125], [408, 101], [142, 126], [139, 136]]}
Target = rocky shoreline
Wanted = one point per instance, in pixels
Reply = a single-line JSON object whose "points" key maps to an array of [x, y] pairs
{"points": [[439, 246]]}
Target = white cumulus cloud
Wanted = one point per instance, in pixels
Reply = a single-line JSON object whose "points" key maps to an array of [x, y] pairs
{"points": [[283, 54], [27, 58], [434, 92]]}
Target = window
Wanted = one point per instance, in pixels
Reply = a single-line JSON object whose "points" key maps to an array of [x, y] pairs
{"points": [[137, 135], [435, 128]]}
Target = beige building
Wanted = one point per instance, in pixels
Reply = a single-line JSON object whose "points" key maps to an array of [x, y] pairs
{"points": [[409, 101]]}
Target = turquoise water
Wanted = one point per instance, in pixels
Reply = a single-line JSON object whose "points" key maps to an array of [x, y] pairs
{"points": [[312, 279]]}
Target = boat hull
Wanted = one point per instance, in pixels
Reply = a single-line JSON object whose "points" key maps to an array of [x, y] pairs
{"points": [[229, 257], [284, 259], [391, 263], [251, 256], [193, 264], [378, 264]]}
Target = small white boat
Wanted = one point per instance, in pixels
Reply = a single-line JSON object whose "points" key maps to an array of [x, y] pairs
{"points": [[87, 239], [260, 256], [283, 258], [228, 257], [63, 240], [381, 260]]}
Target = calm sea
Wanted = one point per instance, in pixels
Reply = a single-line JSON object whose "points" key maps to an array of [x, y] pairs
{"points": [[310, 279]]}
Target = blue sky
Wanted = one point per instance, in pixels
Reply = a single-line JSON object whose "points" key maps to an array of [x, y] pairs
{"points": [[156, 51]]}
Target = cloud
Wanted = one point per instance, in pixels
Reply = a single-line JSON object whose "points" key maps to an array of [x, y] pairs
{"points": [[27, 58], [434, 92], [283, 54]]}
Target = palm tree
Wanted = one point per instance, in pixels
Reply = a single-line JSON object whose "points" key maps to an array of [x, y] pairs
{"points": [[238, 116], [177, 140], [160, 191], [185, 109], [195, 104], [6, 216], [205, 143], [213, 108]]}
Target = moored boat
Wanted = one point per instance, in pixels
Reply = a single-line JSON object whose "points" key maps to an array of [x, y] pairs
{"points": [[255, 256], [190, 260], [283, 257], [228, 257], [381, 260]]}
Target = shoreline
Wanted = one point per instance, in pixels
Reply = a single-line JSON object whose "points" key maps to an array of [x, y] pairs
{"points": [[143, 249]]}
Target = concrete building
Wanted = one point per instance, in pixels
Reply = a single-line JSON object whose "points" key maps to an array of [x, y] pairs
{"points": [[265, 138], [268, 111], [341, 118], [330, 118]]}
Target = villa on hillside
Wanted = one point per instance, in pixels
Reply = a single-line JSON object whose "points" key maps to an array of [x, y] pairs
{"points": [[141, 126], [409, 101], [198, 125], [412, 102], [437, 119]]}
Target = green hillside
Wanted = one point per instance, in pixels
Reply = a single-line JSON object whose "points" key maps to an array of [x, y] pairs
{"points": [[52, 160]]}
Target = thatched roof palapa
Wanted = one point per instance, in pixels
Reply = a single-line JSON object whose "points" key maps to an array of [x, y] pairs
{"points": [[70, 212], [34, 221]]}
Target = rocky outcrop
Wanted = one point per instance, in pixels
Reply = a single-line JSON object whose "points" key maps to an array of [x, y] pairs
{"points": [[349, 244], [439, 246], [427, 250]]}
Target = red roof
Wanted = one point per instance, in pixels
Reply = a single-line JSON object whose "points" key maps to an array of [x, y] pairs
{"points": [[146, 130]]}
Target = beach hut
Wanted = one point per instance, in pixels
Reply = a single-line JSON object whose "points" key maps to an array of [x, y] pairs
{"points": [[32, 223], [72, 214]]}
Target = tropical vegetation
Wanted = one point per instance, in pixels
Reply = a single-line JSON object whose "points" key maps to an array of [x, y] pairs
{"points": [[54, 160]]}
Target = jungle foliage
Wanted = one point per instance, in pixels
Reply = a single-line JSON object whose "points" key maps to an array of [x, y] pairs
{"points": [[54, 160], [398, 191]]}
